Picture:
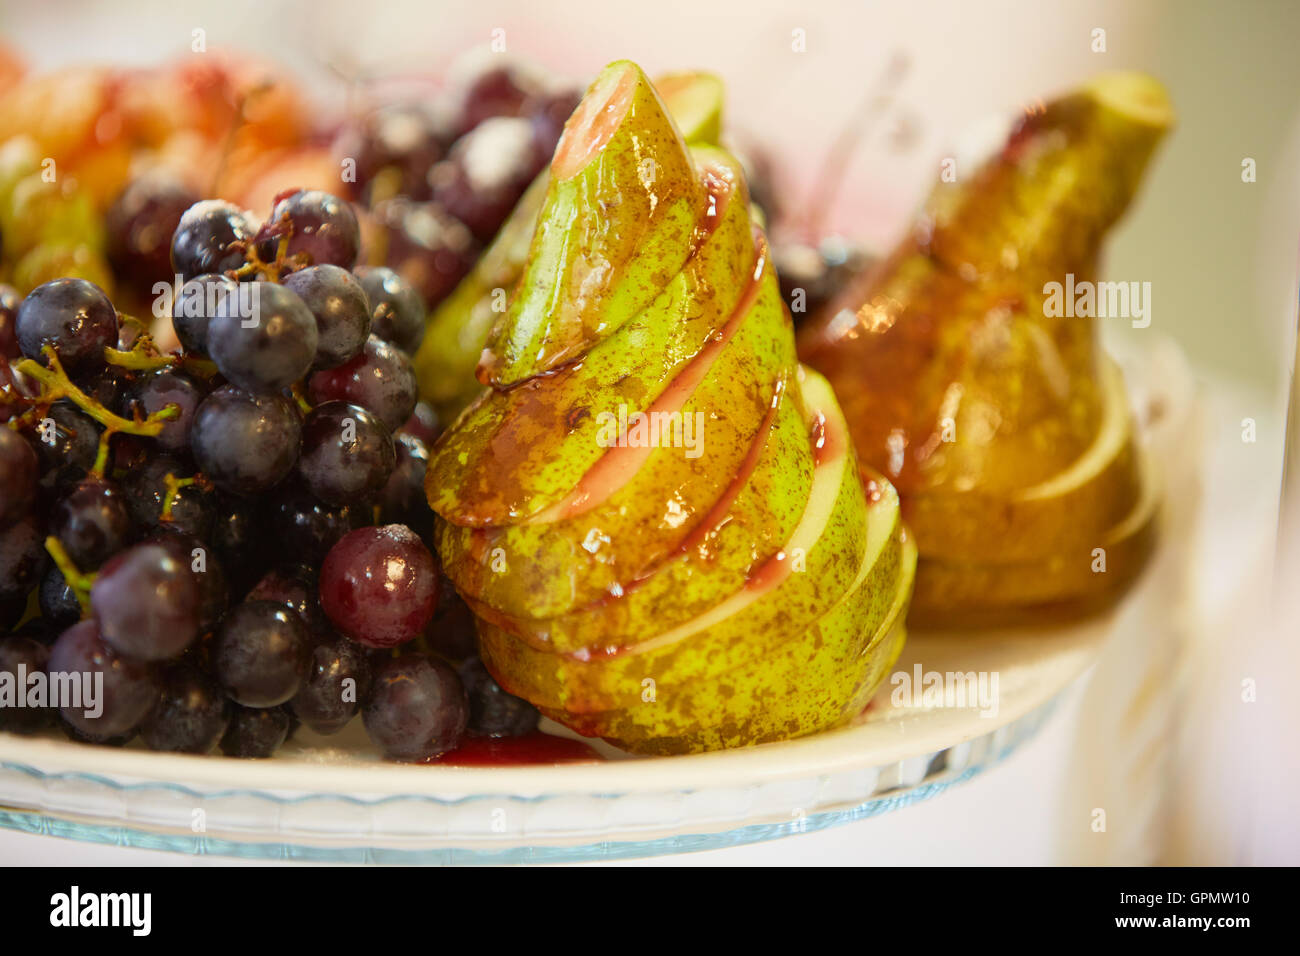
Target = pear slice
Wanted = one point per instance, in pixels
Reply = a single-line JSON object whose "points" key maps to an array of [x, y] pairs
{"points": [[1059, 514], [458, 329], [777, 515], [615, 227], [776, 605], [502, 462], [1085, 577]]}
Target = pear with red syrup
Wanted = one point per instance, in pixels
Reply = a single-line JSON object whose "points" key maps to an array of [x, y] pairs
{"points": [[653, 510], [987, 402]]}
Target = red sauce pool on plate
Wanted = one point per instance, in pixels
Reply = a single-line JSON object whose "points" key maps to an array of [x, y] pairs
{"points": [[530, 749]]}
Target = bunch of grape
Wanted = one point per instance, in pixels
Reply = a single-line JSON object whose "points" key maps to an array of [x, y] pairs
{"points": [[233, 537]]}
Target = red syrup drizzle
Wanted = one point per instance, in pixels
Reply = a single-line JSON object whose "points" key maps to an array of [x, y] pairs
{"points": [[529, 750]]}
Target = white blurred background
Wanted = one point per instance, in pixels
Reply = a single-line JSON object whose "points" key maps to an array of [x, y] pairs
{"points": [[1220, 255]]}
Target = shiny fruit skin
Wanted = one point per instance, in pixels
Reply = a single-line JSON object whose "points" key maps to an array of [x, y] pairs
{"points": [[147, 604], [323, 229], [200, 299], [154, 392], [261, 654], [245, 443], [130, 687], [255, 732], [380, 379], [210, 237], [93, 522], [396, 310], [19, 469], [74, 316], [417, 708], [191, 715], [268, 350], [326, 702], [347, 453], [379, 586], [304, 528], [341, 309]]}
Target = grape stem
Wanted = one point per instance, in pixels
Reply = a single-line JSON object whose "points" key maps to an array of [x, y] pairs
{"points": [[174, 486], [57, 385], [78, 581]]}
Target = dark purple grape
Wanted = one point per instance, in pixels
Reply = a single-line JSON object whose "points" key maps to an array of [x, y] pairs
{"points": [[341, 308], [487, 171], [427, 247], [93, 522], [337, 685], [452, 633], [66, 441], [260, 654], [81, 737], [153, 504], [200, 299], [139, 226], [417, 708], [147, 603], [154, 392], [255, 732], [305, 528], [74, 316], [210, 237], [129, 688], [402, 137], [191, 715], [59, 606], [347, 453], [20, 658], [493, 712], [380, 380], [9, 302], [206, 569], [19, 470], [396, 311], [321, 227], [402, 500], [492, 88], [379, 586], [268, 349], [109, 387], [22, 557], [245, 443]]}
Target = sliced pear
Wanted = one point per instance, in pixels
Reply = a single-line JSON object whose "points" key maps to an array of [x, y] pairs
{"points": [[1067, 511]]}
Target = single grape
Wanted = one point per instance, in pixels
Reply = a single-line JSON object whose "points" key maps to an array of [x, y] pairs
{"points": [[245, 443], [347, 453], [66, 441], [155, 505], [321, 227], [22, 558], [305, 528], [199, 300], [153, 392], [210, 237], [396, 311], [191, 715], [417, 708], [21, 657], [19, 470], [402, 500], [9, 302], [493, 712], [129, 687], [293, 586], [93, 522], [380, 380], [261, 653], [337, 685], [269, 349], [140, 224], [487, 171], [74, 316], [147, 604], [341, 308], [379, 586], [488, 88], [205, 568], [255, 732], [59, 606], [427, 247]]}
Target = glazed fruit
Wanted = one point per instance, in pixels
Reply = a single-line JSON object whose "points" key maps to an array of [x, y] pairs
{"points": [[1005, 428], [379, 586], [684, 592]]}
